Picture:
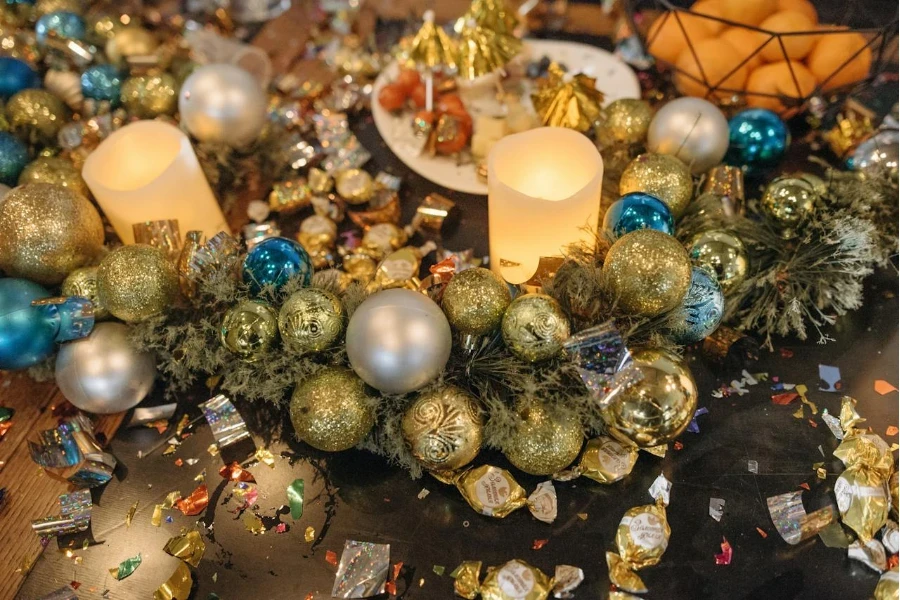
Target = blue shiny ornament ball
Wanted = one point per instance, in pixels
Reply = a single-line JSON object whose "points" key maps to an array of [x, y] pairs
{"points": [[16, 75], [701, 310], [13, 158], [637, 210], [27, 333], [62, 24], [758, 138], [102, 82], [273, 262]]}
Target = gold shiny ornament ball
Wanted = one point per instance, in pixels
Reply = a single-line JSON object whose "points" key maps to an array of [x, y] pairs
{"points": [[37, 115], [311, 320], [788, 202], [56, 170], [249, 329], [443, 429], [655, 403], [46, 232], [722, 255], [626, 120], [83, 282], [534, 327], [149, 96], [475, 301], [662, 176], [45, 7], [648, 272], [137, 282], [130, 41], [331, 411], [544, 443]]}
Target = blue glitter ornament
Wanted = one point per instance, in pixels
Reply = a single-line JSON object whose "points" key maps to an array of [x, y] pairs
{"points": [[758, 138], [16, 75], [273, 262], [102, 82], [63, 24], [637, 210], [701, 310], [27, 333], [13, 158]]}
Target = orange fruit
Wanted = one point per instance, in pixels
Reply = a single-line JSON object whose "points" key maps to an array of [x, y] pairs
{"points": [[840, 59], [802, 6], [748, 12], [768, 85], [714, 63], [709, 8], [796, 46], [666, 38], [747, 43]]}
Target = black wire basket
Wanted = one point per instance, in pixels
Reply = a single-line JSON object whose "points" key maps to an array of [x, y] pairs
{"points": [[714, 50]]}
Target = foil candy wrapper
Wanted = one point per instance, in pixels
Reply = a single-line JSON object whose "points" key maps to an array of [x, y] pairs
{"points": [[431, 213], [382, 239], [163, 234], [621, 575], [605, 460], [354, 185], [643, 535], [466, 579], [176, 587], [792, 521], [227, 425], [198, 257], [566, 579], [598, 353], [516, 580], [888, 587], [542, 503], [384, 207], [290, 196], [890, 537], [401, 267], [254, 233], [862, 499], [849, 417], [74, 516], [71, 452], [870, 554], [362, 571], [491, 491], [868, 450]]}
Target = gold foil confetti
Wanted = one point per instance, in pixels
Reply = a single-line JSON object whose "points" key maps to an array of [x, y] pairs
{"points": [[188, 547], [177, 587], [253, 524], [130, 515], [309, 535]]}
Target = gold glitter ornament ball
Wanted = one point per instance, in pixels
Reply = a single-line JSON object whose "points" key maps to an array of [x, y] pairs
{"points": [[330, 410], [662, 176], [56, 170], [544, 443], [136, 282], [149, 96], [311, 320], [46, 232], [443, 429], [83, 282], [36, 115], [249, 329], [625, 121], [722, 255], [130, 41], [475, 300], [654, 405], [534, 327], [648, 272]]}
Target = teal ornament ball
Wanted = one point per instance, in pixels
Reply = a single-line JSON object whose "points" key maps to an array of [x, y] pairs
{"points": [[701, 310], [758, 139], [13, 158], [16, 75], [274, 262], [637, 210], [27, 333], [102, 83], [61, 24]]}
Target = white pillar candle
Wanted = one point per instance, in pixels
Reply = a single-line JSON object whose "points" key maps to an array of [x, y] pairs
{"points": [[543, 194], [147, 171]]}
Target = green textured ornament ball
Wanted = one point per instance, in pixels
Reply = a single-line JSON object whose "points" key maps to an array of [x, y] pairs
{"points": [[136, 282], [331, 411], [544, 443], [249, 329]]}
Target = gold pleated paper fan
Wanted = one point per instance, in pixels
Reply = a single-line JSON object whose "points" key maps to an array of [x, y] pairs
{"points": [[570, 101]]}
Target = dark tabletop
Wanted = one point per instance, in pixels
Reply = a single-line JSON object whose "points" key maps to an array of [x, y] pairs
{"points": [[355, 495]]}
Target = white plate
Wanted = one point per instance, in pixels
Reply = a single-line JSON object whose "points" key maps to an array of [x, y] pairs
{"points": [[614, 78]]}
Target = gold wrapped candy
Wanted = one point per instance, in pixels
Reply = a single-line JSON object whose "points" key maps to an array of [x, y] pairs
{"points": [[565, 100], [888, 586], [400, 268], [382, 239], [643, 535], [465, 579], [849, 417], [491, 491], [862, 498], [869, 450], [290, 196], [384, 207], [605, 460], [621, 576], [516, 580], [354, 185]]}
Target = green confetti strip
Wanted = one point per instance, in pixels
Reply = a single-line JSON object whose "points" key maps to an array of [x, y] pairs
{"points": [[126, 567], [439, 570], [295, 498]]}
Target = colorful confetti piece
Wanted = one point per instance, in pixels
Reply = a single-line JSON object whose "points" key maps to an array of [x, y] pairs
{"points": [[126, 567], [538, 544], [883, 387], [295, 498], [725, 557]]}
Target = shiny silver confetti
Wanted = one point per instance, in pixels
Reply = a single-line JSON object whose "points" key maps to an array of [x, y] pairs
{"points": [[72, 443], [661, 488], [227, 425], [871, 554], [753, 467], [74, 516], [716, 508], [362, 571], [565, 579]]}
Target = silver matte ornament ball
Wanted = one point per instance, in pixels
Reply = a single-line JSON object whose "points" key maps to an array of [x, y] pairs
{"points": [[691, 129], [103, 373], [222, 103], [398, 340]]}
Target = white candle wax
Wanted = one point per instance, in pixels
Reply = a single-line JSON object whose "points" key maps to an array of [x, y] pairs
{"points": [[543, 194], [147, 171]]}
